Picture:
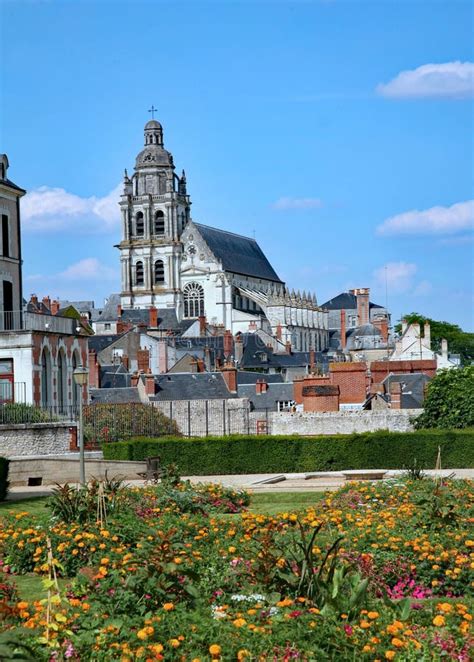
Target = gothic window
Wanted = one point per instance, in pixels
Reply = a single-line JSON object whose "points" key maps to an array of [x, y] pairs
{"points": [[193, 300], [159, 222], [139, 224], [45, 378], [159, 272], [139, 275], [5, 236], [62, 381]]}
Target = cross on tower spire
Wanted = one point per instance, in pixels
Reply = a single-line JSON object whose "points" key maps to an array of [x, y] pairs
{"points": [[152, 111]]}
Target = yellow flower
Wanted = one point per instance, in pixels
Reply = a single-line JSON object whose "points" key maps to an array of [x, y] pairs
{"points": [[439, 621], [215, 650], [373, 615], [445, 606], [398, 643], [174, 643], [389, 655], [168, 606], [239, 622]]}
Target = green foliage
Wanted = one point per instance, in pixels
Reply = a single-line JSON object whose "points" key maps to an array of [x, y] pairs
{"points": [[270, 454], [459, 341], [12, 412], [80, 505], [4, 464], [104, 423], [450, 400]]}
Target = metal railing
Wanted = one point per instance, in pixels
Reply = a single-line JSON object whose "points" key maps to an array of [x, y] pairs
{"points": [[12, 392], [17, 320], [14, 413]]}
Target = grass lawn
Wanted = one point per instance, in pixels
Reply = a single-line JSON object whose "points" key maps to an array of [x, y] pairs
{"points": [[271, 503], [35, 506]]}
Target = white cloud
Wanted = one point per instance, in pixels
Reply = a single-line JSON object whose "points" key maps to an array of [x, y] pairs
{"points": [[398, 276], [90, 268], [297, 203], [450, 80], [47, 209], [436, 220]]}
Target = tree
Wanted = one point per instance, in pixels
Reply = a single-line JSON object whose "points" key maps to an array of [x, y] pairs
{"points": [[449, 402], [459, 341]]}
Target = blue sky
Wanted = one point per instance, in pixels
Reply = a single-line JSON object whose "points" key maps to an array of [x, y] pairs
{"points": [[340, 132]]}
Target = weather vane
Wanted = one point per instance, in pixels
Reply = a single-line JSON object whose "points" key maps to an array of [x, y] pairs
{"points": [[152, 111]]}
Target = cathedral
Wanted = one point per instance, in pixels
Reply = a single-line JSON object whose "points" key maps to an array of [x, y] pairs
{"points": [[168, 261]]}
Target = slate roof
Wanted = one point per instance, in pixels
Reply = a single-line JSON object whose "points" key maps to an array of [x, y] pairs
{"points": [[247, 377], [256, 355], [100, 342], [109, 312], [345, 301], [413, 388], [262, 401], [167, 319], [8, 182], [191, 386], [114, 376], [114, 395], [238, 254]]}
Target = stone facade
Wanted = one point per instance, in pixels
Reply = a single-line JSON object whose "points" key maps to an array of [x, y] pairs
{"points": [[329, 423], [36, 439], [199, 418]]}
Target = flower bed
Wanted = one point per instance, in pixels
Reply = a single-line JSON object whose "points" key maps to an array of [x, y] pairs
{"points": [[372, 572]]}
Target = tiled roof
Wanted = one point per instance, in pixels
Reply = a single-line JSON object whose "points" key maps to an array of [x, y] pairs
{"points": [[268, 400], [100, 342], [238, 254], [114, 395], [345, 301], [192, 386]]}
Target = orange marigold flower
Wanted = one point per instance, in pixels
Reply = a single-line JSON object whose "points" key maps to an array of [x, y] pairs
{"points": [[215, 650], [373, 615], [389, 655], [168, 606], [439, 621]]}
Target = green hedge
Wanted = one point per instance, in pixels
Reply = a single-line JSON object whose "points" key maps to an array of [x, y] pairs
{"points": [[268, 454], [3, 477]]}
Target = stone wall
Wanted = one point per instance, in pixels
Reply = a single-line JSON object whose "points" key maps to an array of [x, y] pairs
{"points": [[65, 469], [36, 439], [341, 422]]}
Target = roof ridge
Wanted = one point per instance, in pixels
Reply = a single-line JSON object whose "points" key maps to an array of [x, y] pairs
{"points": [[235, 234]]}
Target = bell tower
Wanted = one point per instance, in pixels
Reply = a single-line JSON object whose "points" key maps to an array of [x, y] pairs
{"points": [[155, 209]]}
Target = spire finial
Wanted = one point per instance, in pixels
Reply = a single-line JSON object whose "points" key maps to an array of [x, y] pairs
{"points": [[152, 110]]}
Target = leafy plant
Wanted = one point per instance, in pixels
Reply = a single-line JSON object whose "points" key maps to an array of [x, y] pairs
{"points": [[415, 472], [449, 402]]}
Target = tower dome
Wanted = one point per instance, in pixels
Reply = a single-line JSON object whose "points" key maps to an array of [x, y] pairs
{"points": [[153, 133], [154, 153]]}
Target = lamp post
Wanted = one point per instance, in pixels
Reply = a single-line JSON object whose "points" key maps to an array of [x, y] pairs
{"points": [[81, 375]]}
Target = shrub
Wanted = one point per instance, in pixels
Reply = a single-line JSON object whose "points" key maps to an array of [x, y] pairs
{"points": [[105, 422], [269, 454], [450, 400], [11, 412], [4, 463]]}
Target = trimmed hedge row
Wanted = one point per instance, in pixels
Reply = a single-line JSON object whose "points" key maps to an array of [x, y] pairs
{"points": [[240, 454], [4, 463]]}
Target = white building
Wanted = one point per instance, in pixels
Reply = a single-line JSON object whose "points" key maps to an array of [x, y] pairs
{"points": [[169, 261], [413, 346]]}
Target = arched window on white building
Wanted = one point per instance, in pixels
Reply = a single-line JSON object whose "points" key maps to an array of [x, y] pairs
{"points": [[193, 300], [159, 222], [159, 272], [139, 224], [139, 275]]}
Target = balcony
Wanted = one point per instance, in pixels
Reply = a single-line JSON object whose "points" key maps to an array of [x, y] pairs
{"points": [[17, 320]]}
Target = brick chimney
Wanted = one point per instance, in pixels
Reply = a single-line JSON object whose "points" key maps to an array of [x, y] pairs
{"points": [[119, 311], [149, 384], [261, 386], [362, 296], [202, 325], [34, 299], [312, 360], [229, 372], [395, 395], [94, 370], [163, 356], [47, 303], [228, 344], [125, 361], [343, 330], [143, 360], [279, 332], [153, 318], [201, 366], [134, 379], [288, 347], [382, 325], [54, 307]]}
